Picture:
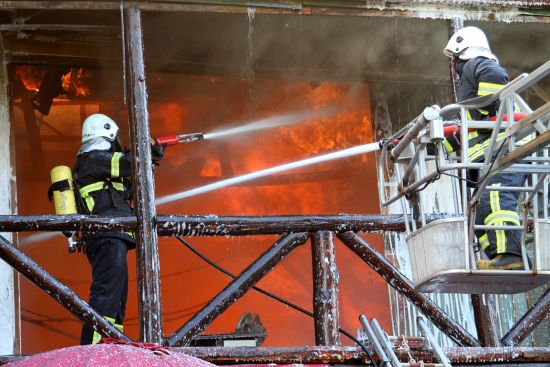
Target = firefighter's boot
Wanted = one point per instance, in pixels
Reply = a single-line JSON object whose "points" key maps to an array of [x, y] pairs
{"points": [[501, 262]]}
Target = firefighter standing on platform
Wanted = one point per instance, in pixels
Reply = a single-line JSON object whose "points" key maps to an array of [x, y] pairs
{"points": [[480, 74], [101, 176]]}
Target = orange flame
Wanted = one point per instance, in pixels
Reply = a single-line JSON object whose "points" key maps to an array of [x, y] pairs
{"points": [[347, 125], [73, 83], [31, 77]]}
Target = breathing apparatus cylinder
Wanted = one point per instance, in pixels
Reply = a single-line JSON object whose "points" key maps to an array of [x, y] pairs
{"points": [[62, 188], [61, 192]]}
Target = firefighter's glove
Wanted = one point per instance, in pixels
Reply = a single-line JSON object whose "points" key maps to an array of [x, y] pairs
{"points": [[385, 142], [157, 153]]}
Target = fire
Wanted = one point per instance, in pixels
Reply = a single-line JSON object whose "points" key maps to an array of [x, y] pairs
{"points": [[340, 186], [30, 76], [188, 104], [346, 124], [74, 82]]}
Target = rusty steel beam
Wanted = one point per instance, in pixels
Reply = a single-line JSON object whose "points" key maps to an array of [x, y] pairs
{"points": [[240, 356], [404, 286], [325, 289], [268, 355], [532, 318], [147, 259], [477, 356], [355, 355], [174, 225], [459, 356], [484, 308], [55, 223], [57, 290], [237, 288], [488, 10], [212, 225]]}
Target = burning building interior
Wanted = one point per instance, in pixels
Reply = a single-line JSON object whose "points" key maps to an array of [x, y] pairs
{"points": [[266, 84]]}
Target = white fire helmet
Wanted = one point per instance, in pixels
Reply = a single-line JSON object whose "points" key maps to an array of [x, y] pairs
{"points": [[467, 43], [97, 125]]}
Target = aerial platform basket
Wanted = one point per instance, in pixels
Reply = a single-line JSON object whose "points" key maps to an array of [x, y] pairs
{"points": [[443, 254], [440, 262]]}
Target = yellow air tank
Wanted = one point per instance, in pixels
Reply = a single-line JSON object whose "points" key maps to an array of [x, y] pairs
{"points": [[63, 199]]}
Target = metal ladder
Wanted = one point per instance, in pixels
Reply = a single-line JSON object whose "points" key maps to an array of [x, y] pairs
{"points": [[384, 348]]}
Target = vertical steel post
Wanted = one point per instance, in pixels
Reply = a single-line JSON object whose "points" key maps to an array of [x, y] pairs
{"points": [[325, 289], [149, 296], [484, 307], [10, 301], [457, 23]]}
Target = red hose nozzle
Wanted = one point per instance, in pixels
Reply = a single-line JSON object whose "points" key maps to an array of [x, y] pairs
{"points": [[176, 139]]}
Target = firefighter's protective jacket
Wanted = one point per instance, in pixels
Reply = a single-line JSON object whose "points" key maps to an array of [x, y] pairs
{"points": [[478, 77], [102, 181]]}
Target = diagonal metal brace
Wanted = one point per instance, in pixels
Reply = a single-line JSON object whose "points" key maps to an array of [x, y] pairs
{"points": [[404, 286], [57, 290], [237, 288], [529, 321]]}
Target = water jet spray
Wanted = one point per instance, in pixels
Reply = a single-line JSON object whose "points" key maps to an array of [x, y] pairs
{"points": [[274, 121], [366, 148]]}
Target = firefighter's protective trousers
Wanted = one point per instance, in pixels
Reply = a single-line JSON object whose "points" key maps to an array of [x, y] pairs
{"points": [[498, 208], [103, 186], [109, 289]]}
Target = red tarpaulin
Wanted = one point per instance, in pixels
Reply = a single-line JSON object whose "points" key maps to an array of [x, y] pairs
{"points": [[110, 354]]}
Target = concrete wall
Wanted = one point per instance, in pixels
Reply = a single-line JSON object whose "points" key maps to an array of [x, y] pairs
{"points": [[7, 206]]}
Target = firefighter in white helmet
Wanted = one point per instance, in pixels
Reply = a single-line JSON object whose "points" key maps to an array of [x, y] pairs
{"points": [[101, 177], [480, 74]]}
